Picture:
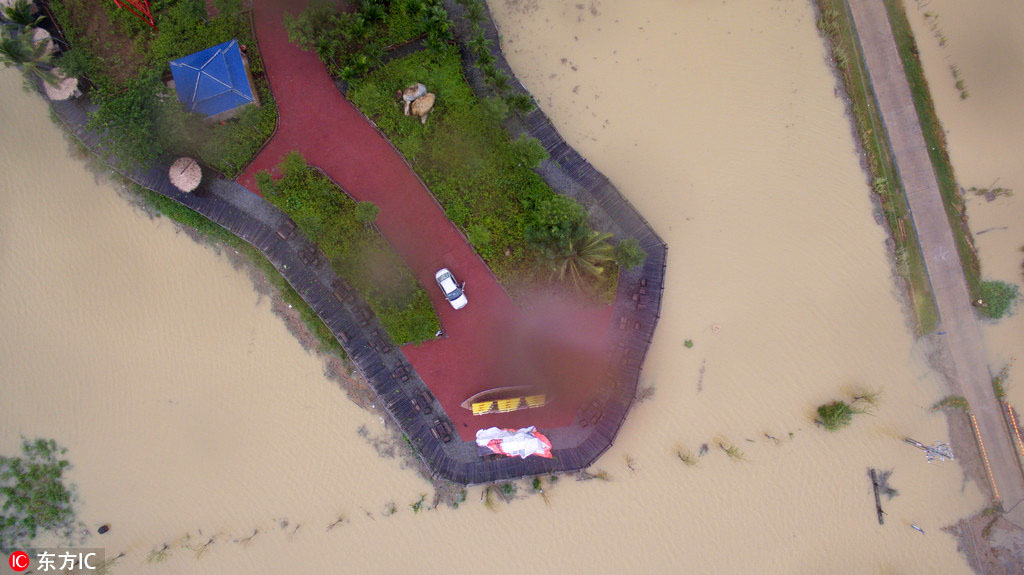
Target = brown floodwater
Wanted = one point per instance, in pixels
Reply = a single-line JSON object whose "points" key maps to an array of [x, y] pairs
{"points": [[985, 133], [186, 405]]}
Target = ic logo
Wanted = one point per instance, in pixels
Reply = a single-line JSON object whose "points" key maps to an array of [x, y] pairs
{"points": [[19, 561]]}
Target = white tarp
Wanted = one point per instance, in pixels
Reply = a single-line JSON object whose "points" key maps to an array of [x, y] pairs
{"points": [[514, 442]]}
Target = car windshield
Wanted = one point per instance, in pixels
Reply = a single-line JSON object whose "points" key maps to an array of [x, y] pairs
{"points": [[451, 289]]}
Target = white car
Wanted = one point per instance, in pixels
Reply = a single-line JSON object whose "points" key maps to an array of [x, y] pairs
{"points": [[450, 288]]}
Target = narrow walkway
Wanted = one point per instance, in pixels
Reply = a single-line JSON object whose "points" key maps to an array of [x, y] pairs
{"points": [[963, 334]]}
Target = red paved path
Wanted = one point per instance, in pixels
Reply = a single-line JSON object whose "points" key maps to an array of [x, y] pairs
{"points": [[317, 121]]}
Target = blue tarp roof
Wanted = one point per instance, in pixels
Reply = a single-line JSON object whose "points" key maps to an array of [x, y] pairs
{"points": [[213, 80]]}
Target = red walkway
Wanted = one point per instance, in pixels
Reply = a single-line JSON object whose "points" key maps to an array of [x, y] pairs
{"points": [[332, 135]]}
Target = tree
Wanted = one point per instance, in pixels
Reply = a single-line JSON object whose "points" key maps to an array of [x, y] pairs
{"points": [[366, 212], [997, 298], [20, 13], [474, 12], [628, 254], [556, 221], [18, 49], [497, 79], [528, 152], [583, 257], [520, 102], [34, 495], [479, 42]]}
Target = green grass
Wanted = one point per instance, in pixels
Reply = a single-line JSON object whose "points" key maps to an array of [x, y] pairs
{"points": [[936, 142], [183, 215], [484, 180], [328, 217], [836, 26], [954, 402]]}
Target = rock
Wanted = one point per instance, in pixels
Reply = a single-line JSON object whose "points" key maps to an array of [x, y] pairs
{"points": [[412, 93], [423, 105]]}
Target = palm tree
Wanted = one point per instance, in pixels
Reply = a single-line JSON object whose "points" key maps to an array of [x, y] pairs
{"points": [[20, 13], [32, 57], [583, 256], [474, 13], [479, 42]]}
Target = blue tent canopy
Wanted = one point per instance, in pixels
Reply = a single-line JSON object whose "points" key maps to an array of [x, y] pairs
{"points": [[213, 80]]}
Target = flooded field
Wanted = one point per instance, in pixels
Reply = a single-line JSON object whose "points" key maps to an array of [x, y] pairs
{"points": [[985, 133], [186, 405]]}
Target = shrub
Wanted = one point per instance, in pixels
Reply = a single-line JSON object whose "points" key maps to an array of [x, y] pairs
{"points": [[836, 415], [479, 235], [998, 298], [556, 221], [366, 212], [628, 254]]}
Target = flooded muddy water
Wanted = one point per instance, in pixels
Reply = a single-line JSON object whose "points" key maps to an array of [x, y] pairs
{"points": [[985, 136], [191, 413]]}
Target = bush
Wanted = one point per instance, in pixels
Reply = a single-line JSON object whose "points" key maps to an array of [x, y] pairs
{"points": [[836, 415], [366, 212], [328, 217], [628, 254], [479, 235], [998, 298]]}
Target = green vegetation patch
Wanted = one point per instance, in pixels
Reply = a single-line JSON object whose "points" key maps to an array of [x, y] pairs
{"points": [[836, 415], [998, 298], [126, 61], [836, 26], [355, 250], [34, 496], [936, 141], [350, 43], [484, 180]]}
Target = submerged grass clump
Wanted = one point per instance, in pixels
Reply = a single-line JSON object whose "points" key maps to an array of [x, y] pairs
{"points": [[836, 415]]}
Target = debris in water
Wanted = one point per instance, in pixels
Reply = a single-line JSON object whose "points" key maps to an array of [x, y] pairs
{"points": [[940, 451]]}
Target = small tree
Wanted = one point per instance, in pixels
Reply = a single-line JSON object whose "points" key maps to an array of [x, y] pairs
{"points": [[20, 12], [520, 103], [997, 298], [583, 257], [366, 212], [17, 49], [836, 415], [528, 151], [556, 220], [628, 254]]}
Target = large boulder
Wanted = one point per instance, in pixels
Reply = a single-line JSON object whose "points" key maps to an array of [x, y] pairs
{"points": [[411, 94], [423, 105]]}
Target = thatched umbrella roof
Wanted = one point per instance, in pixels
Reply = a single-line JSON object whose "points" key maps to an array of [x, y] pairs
{"points": [[65, 88], [186, 174], [40, 35]]}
